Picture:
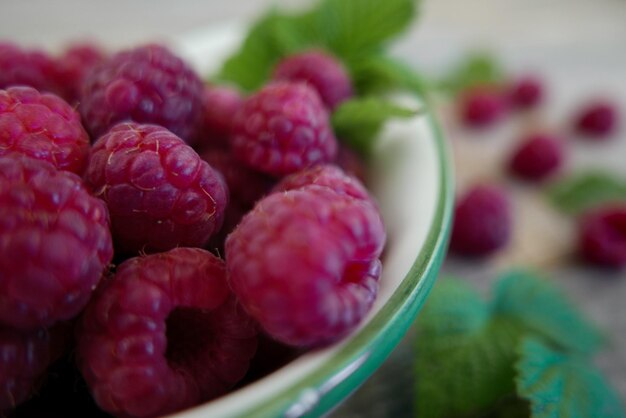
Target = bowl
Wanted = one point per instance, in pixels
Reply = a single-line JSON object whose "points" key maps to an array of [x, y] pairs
{"points": [[413, 185]]}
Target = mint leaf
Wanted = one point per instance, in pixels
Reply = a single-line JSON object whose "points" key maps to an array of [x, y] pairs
{"points": [[355, 27], [453, 309], [379, 73], [540, 307], [478, 68], [563, 386], [585, 191], [357, 122], [271, 38], [464, 362]]}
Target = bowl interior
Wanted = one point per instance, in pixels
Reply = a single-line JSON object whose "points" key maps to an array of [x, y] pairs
{"points": [[412, 185]]}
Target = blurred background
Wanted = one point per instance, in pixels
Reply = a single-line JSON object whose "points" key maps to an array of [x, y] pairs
{"points": [[578, 49]]}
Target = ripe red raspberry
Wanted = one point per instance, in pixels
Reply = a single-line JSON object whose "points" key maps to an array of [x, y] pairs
{"points": [[221, 103], [44, 127], [602, 238], [26, 68], [305, 263], [526, 92], [164, 334], [283, 128], [482, 222], [320, 70], [537, 157], [24, 358], [327, 175], [73, 65], [159, 192], [147, 84], [481, 107], [597, 120], [54, 243]]}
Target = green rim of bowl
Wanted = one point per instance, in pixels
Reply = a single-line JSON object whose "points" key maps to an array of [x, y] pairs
{"points": [[323, 389]]}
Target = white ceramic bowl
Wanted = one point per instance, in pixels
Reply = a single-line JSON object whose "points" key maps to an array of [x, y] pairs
{"points": [[413, 184]]}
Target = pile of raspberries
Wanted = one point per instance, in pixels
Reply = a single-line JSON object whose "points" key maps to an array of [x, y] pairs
{"points": [[156, 230]]}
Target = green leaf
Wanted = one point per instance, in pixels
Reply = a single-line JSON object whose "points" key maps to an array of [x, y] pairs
{"points": [[478, 68], [453, 308], [357, 27], [563, 386], [357, 122], [271, 38], [464, 362], [378, 73], [540, 307], [585, 191]]}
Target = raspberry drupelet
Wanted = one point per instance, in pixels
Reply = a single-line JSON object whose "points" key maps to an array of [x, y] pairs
{"points": [[160, 193], [55, 243], [147, 84], [322, 71], [42, 126], [283, 128], [164, 334], [305, 263]]}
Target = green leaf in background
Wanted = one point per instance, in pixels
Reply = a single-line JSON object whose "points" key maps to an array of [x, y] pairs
{"points": [[585, 191], [563, 386], [378, 73], [541, 308], [464, 363], [269, 39], [358, 121], [355, 27], [478, 68]]}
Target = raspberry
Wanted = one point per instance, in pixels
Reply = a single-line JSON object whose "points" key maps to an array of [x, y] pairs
{"points": [[42, 126], [159, 192], [29, 68], [602, 238], [163, 335], [221, 103], [537, 157], [147, 84], [24, 358], [283, 128], [597, 120], [305, 263], [527, 92], [322, 71], [54, 243], [327, 175], [481, 107], [73, 65], [482, 222]]}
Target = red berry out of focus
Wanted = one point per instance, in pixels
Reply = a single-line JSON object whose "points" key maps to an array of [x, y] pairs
{"points": [[481, 107], [221, 103], [482, 222], [597, 120], [21, 67], [526, 92], [537, 157], [320, 70], [602, 236]]}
